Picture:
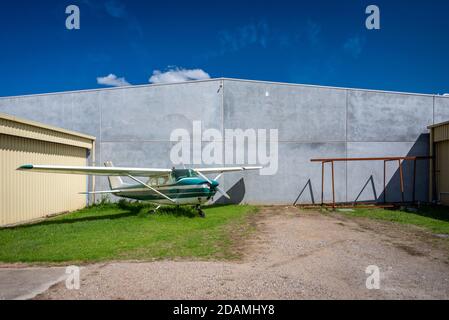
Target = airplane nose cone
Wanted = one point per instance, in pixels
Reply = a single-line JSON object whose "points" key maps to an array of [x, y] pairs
{"points": [[215, 183]]}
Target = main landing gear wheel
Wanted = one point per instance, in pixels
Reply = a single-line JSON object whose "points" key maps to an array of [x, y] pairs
{"points": [[154, 211]]}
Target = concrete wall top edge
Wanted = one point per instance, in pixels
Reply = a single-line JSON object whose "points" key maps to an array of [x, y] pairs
{"points": [[332, 87], [225, 79], [111, 88]]}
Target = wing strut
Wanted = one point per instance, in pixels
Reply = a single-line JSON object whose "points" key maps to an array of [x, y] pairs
{"points": [[151, 188]]}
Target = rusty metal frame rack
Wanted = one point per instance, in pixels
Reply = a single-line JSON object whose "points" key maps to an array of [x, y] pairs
{"points": [[385, 160]]}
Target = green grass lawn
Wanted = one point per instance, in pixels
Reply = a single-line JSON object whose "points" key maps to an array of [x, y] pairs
{"points": [[435, 219], [128, 232]]}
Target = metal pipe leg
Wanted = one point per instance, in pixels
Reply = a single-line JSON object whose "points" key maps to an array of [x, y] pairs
{"points": [[401, 175]]}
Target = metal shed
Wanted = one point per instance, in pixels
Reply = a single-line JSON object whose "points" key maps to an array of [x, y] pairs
{"points": [[26, 197], [439, 149]]}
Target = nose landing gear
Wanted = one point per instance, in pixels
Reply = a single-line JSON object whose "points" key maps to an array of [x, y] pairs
{"points": [[200, 212]]}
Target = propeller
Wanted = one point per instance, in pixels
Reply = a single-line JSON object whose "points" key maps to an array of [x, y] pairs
{"points": [[223, 193]]}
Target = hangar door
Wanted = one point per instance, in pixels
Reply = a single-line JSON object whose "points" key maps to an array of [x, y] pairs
{"points": [[28, 196]]}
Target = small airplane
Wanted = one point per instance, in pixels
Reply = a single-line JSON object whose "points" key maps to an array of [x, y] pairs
{"points": [[164, 186]]}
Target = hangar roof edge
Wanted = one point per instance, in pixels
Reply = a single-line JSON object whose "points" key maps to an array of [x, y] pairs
{"points": [[36, 124]]}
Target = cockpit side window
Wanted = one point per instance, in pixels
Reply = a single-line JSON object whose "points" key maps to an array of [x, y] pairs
{"points": [[184, 173], [179, 174], [193, 173]]}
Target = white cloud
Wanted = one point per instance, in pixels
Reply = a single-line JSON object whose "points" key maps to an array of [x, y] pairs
{"points": [[113, 81], [178, 75]]}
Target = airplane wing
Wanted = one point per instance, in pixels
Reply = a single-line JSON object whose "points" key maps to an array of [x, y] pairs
{"points": [[97, 171], [225, 169], [120, 171]]}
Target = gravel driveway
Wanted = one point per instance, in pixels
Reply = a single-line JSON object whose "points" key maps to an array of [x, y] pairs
{"points": [[293, 255]]}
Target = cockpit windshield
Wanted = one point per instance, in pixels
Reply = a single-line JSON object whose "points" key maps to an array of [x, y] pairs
{"points": [[184, 173]]}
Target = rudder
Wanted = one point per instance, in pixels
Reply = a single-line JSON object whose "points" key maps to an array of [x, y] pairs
{"points": [[114, 182]]}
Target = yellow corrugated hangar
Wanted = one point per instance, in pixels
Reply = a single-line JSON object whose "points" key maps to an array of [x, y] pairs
{"points": [[26, 197], [439, 149]]}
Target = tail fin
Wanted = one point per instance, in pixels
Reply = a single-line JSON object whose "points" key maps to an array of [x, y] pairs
{"points": [[114, 182]]}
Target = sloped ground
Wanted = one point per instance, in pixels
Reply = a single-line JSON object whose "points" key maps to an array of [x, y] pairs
{"points": [[27, 282], [293, 255]]}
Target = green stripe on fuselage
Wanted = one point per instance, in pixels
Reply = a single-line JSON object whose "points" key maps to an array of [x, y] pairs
{"points": [[174, 192]]}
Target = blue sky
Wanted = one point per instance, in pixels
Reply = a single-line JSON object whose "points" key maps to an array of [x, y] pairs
{"points": [[312, 42]]}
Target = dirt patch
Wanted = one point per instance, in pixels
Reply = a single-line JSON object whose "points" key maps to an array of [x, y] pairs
{"points": [[239, 234], [410, 250], [291, 255], [411, 239]]}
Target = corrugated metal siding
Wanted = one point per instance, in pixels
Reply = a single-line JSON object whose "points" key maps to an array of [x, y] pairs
{"points": [[439, 149], [32, 131], [441, 133], [26, 196], [442, 171]]}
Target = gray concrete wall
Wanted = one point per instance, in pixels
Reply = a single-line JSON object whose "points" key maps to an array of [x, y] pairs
{"points": [[387, 124], [133, 127], [311, 123], [317, 122]]}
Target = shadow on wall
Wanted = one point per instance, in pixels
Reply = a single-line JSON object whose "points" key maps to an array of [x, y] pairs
{"points": [[236, 192], [307, 188], [393, 188]]}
